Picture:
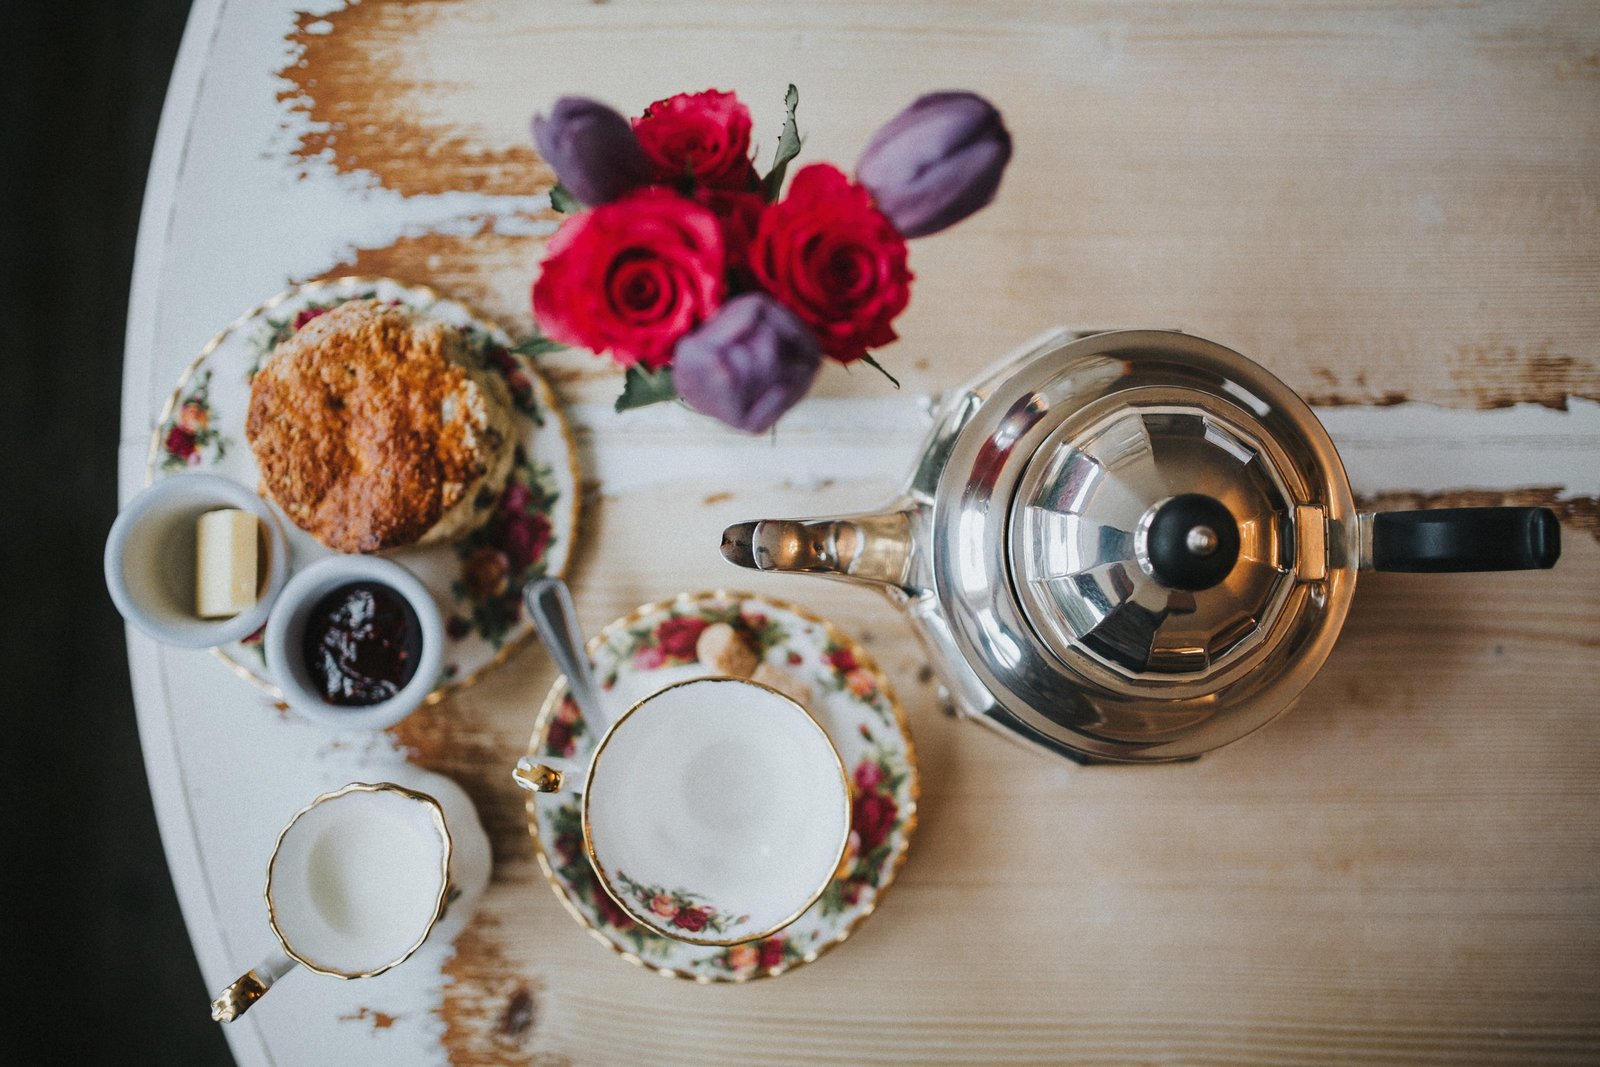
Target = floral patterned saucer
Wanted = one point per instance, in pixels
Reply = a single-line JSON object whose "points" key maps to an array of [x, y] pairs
{"points": [[792, 650], [478, 580]]}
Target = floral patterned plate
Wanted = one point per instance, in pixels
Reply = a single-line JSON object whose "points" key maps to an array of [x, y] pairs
{"points": [[478, 580], [792, 650]]}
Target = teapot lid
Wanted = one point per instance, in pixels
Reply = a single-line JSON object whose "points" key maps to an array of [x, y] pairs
{"points": [[1159, 507], [1145, 545]]}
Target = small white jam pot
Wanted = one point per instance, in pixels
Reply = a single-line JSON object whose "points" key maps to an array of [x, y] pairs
{"points": [[284, 639]]}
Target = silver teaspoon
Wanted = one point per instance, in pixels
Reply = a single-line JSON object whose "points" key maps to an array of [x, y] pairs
{"points": [[549, 604]]}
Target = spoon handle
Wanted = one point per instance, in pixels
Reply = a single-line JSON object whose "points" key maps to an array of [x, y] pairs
{"points": [[549, 604]]}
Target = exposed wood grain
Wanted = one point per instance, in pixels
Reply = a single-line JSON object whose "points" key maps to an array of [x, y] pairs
{"points": [[488, 269], [1378, 201], [491, 1013], [363, 115], [1401, 869], [1381, 201]]}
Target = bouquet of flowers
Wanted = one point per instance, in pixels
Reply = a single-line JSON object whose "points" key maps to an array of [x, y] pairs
{"points": [[690, 269]]}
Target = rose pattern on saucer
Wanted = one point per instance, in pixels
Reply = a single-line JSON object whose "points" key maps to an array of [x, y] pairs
{"points": [[865, 723], [672, 641], [875, 783], [768, 956], [504, 554], [679, 908], [188, 439], [475, 580]]}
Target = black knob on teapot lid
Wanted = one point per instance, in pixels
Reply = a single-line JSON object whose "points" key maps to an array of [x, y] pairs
{"points": [[1192, 542]]}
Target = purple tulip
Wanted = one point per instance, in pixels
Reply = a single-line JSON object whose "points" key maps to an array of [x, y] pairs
{"points": [[748, 364], [936, 162], [592, 148]]}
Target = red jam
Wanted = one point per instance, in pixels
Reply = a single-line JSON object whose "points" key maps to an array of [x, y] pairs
{"points": [[362, 644]]}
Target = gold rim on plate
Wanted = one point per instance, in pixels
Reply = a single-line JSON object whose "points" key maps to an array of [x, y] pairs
{"points": [[547, 399]]}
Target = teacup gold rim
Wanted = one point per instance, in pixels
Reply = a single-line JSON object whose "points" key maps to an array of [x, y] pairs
{"points": [[650, 922], [547, 397], [558, 690], [435, 811]]}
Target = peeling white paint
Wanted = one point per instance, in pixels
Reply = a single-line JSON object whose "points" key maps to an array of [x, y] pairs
{"points": [[1405, 447], [1423, 448]]}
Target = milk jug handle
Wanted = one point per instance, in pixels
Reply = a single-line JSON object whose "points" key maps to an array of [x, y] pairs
{"points": [[250, 986], [549, 774]]}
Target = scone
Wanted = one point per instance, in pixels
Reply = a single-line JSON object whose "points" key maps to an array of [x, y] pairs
{"points": [[375, 428]]}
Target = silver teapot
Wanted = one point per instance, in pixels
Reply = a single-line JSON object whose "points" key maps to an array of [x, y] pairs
{"points": [[1133, 546]]}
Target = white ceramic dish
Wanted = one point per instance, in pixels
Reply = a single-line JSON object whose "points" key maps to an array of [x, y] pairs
{"points": [[286, 631], [150, 560], [358, 880]]}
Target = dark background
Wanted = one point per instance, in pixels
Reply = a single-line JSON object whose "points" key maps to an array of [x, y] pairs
{"points": [[95, 964]]}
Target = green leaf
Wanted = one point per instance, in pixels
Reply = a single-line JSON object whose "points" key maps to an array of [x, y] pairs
{"points": [[875, 365], [641, 388], [562, 200], [537, 345], [788, 147]]}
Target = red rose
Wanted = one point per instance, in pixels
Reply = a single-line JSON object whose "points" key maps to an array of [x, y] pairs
{"points": [[739, 215], [558, 739], [700, 136], [677, 636], [834, 260], [500, 359], [868, 776], [516, 499], [521, 387], [305, 315], [567, 847], [632, 276], [771, 951], [524, 538], [610, 912], [842, 660], [180, 442], [690, 919], [873, 817]]}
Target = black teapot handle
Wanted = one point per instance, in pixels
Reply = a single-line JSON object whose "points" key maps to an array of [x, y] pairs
{"points": [[1465, 539]]}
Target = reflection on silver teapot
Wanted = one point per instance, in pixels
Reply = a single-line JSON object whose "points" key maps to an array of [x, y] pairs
{"points": [[1133, 546]]}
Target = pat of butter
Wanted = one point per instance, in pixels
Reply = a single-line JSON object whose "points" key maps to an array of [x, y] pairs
{"points": [[225, 563]]}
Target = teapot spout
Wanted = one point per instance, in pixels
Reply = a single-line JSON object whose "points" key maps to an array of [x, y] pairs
{"points": [[877, 549]]}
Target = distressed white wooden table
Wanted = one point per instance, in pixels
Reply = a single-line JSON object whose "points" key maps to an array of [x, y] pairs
{"points": [[1394, 206]]}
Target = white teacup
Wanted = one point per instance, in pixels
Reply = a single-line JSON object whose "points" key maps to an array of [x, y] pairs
{"points": [[715, 811], [356, 884]]}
